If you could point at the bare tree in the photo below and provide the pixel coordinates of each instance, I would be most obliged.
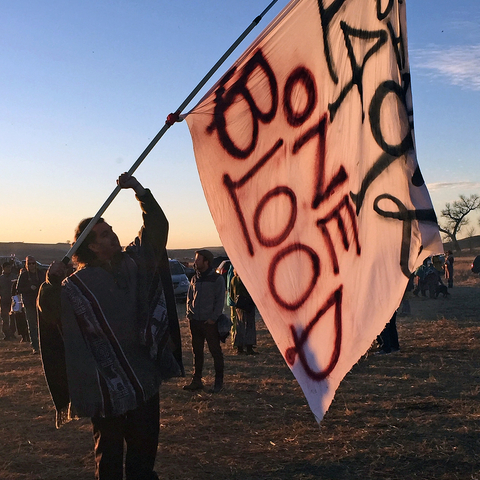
(455, 215)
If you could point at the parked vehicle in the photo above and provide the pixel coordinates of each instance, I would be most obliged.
(189, 271)
(179, 280)
(476, 265)
(217, 261)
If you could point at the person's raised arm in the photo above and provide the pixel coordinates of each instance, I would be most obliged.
(155, 223)
(128, 181)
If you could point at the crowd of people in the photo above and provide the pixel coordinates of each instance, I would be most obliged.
(426, 278)
(18, 296)
(108, 332)
(429, 276)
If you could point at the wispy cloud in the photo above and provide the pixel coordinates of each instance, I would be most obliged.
(466, 26)
(452, 185)
(460, 65)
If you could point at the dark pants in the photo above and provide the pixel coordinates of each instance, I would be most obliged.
(22, 327)
(139, 429)
(202, 331)
(389, 335)
(421, 287)
(8, 321)
(32, 322)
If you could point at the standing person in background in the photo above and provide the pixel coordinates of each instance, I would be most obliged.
(449, 268)
(18, 313)
(28, 284)
(8, 320)
(245, 334)
(205, 300)
(405, 304)
(231, 302)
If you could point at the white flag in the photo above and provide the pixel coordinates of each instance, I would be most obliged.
(306, 154)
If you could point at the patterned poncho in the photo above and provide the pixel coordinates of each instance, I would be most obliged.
(110, 333)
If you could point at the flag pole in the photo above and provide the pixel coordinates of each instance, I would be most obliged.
(171, 119)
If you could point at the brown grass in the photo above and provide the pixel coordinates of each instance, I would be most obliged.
(410, 415)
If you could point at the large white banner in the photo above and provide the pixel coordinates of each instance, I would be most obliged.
(306, 154)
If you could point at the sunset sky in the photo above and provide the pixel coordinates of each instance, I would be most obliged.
(87, 85)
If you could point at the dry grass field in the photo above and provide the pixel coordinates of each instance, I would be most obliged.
(414, 414)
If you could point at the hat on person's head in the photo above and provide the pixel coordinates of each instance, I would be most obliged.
(207, 255)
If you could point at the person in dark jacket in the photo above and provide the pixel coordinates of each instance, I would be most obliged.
(205, 300)
(8, 321)
(28, 283)
(109, 334)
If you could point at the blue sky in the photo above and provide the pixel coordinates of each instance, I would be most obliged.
(86, 86)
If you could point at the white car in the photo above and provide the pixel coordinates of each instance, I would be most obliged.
(179, 280)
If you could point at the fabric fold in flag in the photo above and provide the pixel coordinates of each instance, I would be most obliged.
(306, 153)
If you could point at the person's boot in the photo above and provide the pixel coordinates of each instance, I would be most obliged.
(217, 387)
(251, 351)
(240, 351)
(195, 384)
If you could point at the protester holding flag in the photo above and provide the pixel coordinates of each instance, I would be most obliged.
(116, 315)
(306, 154)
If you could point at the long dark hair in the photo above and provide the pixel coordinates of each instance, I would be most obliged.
(84, 255)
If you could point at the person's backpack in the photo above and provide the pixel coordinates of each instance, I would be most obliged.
(224, 325)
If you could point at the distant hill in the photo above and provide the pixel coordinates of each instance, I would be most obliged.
(43, 253)
(469, 244)
(46, 253)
